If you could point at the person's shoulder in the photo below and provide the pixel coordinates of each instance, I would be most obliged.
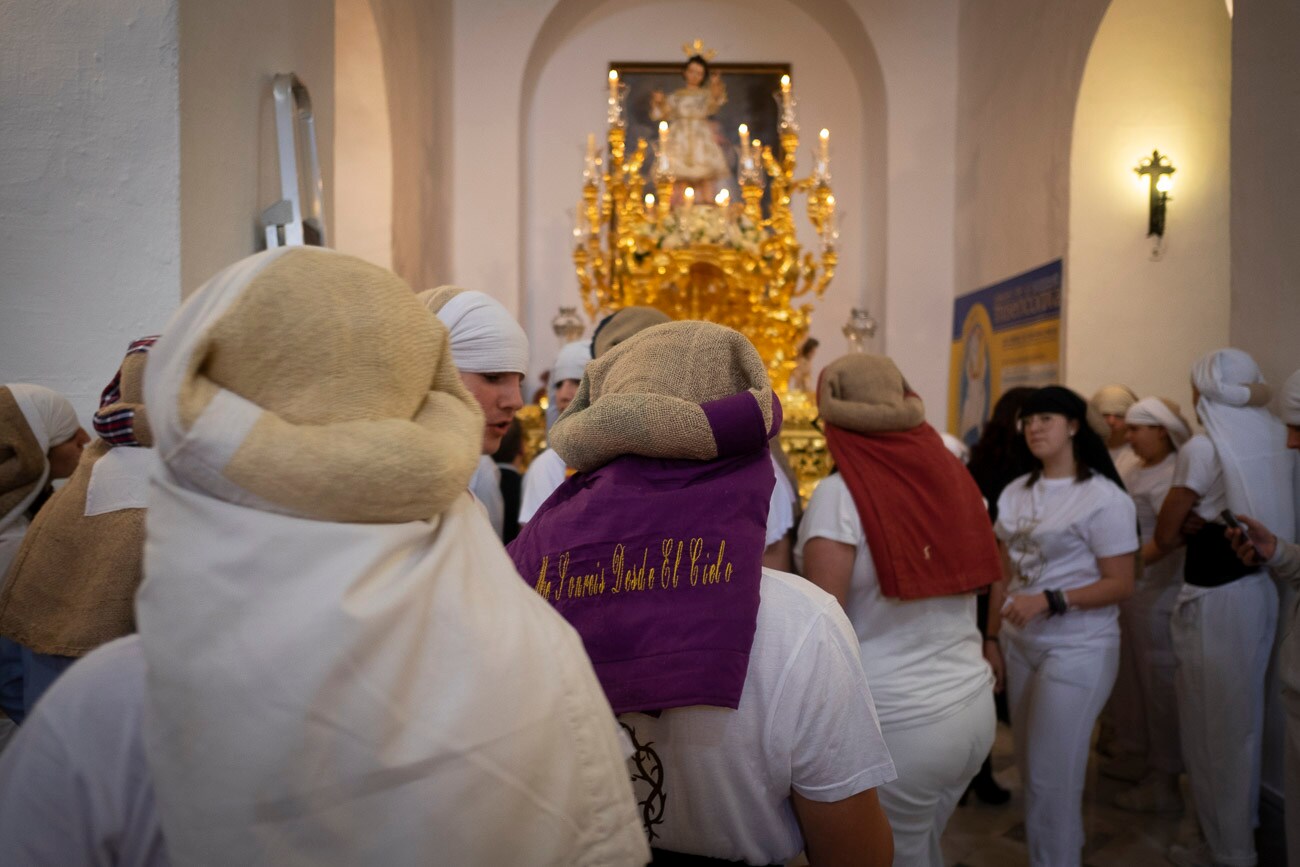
(1015, 490)
(790, 600)
(1199, 447)
(829, 488)
(547, 461)
(105, 687)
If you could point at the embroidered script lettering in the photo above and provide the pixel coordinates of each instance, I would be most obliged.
(631, 573)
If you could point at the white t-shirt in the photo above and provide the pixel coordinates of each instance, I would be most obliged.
(923, 657)
(1198, 468)
(485, 485)
(544, 475)
(74, 783)
(547, 472)
(780, 513)
(1148, 486)
(1125, 460)
(1055, 531)
(715, 781)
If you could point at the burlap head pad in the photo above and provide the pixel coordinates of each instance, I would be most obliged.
(365, 418)
(22, 462)
(644, 396)
(618, 326)
(434, 299)
(868, 394)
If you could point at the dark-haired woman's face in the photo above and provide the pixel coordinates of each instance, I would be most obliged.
(1047, 433)
(694, 74)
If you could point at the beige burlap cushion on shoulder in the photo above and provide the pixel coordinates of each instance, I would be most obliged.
(364, 416)
(22, 463)
(72, 586)
(868, 394)
(643, 397)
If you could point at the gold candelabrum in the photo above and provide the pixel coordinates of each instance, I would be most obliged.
(721, 261)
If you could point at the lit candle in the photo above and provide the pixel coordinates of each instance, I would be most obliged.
(663, 133)
(591, 145)
(785, 93)
(785, 84)
(744, 142)
(613, 84)
(690, 195)
(649, 200)
(722, 197)
(825, 145)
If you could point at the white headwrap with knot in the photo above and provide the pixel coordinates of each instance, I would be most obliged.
(1258, 470)
(485, 338)
(1113, 400)
(1291, 400)
(1157, 412)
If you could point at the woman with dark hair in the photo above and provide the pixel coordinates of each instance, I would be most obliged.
(999, 457)
(1069, 533)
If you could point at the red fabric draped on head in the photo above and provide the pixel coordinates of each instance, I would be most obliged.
(923, 516)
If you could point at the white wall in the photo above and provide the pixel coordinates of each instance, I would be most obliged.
(363, 143)
(1130, 319)
(89, 165)
(230, 52)
(568, 100)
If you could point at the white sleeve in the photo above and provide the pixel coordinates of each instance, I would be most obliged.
(831, 514)
(780, 512)
(1196, 465)
(48, 818)
(1112, 527)
(544, 475)
(825, 711)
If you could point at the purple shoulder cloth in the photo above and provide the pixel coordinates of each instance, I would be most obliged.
(657, 564)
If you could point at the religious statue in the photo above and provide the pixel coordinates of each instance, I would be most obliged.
(694, 153)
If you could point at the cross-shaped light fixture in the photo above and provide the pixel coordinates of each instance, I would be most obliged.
(1159, 175)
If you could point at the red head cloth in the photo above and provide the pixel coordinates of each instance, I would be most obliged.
(925, 522)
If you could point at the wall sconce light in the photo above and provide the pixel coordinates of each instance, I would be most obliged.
(1158, 172)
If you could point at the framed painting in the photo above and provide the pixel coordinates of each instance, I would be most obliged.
(704, 109)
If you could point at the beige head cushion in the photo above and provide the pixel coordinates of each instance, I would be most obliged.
(868, 394)
(643, 397)
(22, 460)
(622, 324)
(365, 418)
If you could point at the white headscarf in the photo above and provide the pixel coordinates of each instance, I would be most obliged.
(1157, 412)
(1258, 469)
(571, 363)
(1291, 400)
(485, 338)
(52, 421)
(339, 691)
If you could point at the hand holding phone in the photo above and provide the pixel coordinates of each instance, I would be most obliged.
(1242, 544)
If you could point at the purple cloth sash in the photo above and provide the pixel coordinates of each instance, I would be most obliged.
(657, 564)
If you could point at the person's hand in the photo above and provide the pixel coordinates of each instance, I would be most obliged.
(1019, 610)
(1192, 524)
(993, 656)
(1254, 546)
(715, 82)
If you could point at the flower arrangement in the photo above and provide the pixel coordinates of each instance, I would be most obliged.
(694, 225)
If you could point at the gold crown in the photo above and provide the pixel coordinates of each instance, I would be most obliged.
(690, 49)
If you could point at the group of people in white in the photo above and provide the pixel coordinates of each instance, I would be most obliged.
(266, 621)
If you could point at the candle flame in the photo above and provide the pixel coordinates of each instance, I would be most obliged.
(613, 75)
(690, 194)
(785, 82)
(744, 130)
(825, 134)
(649, 199)
(722, 197)
(663, 127)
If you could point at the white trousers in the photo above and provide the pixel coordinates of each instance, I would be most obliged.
(1222, 638)
(935, 763)
(1146, 716)
(1056, 694)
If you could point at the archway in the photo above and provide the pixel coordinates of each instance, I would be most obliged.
(842, 89)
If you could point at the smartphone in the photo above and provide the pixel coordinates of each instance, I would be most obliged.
(1231, 520)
